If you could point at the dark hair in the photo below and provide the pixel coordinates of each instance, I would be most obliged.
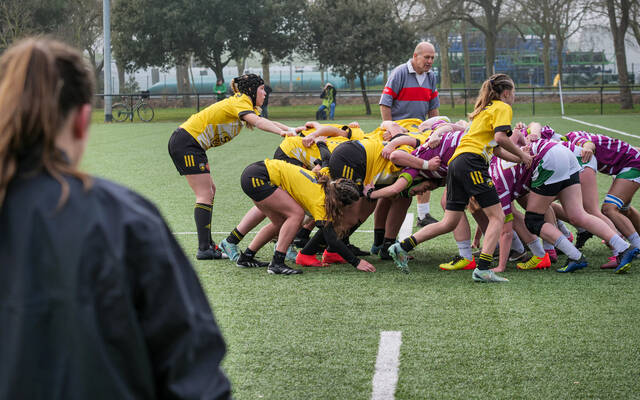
(491, 90)
(338, 194)
(41, 81)
(247, 84)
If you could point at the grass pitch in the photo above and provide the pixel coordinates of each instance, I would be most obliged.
(315, 336)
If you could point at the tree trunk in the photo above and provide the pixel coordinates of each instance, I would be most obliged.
(465, 55)
(618, 32)
(385, 74)
(182, 83)
(240, 63)
(121, 83)
(546, 59)
(363, 88)
(322, 77)
(559, 46)
(266, 60)
(490, 53)
(445, 73)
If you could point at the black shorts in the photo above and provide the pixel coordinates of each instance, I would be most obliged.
(187, 154)
(280, 155)
(555, 188)
(256, 183)
(349, 160)
(469, 176)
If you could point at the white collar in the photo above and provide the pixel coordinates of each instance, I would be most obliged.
(410, 67)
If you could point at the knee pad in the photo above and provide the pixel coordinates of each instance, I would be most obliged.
(611, 199)
(533, 222)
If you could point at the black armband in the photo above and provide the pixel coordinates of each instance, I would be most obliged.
(504, 128)
(368, 194)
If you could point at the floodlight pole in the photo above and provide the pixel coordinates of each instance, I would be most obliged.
(106, 24)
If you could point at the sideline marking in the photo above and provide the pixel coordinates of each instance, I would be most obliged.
(601, 127)
(386, 375)
(407, 227)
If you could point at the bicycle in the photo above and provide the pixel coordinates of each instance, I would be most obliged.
(121, 112)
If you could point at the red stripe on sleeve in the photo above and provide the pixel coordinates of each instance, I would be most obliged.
(434, 94)
(387, 90)
(415, 94)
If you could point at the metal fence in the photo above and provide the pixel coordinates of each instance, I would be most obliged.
(462, 98)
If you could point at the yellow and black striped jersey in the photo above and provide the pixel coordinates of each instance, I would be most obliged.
(220, 122)
(301, 184)
(292, 146)
(479, 138)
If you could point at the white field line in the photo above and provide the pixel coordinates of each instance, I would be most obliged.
(601, 127)
(385, 378)
(407, 227)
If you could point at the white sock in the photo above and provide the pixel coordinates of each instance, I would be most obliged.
(536, 248)
(423, 209)
(547, 246)
(516, 244)
(564, 245)
(563, 228)
(464, 249)
(618, 243)
(635, 240)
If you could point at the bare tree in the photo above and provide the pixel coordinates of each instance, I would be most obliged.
(559, 19)
(618, 12)
(486, 16)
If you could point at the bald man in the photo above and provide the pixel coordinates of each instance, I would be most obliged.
(411, 92)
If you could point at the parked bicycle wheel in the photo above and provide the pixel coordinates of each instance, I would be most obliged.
(145, 112)
(120, 112)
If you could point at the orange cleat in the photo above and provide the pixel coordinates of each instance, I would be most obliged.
(536, 263)
(332, 258)
(309, 260)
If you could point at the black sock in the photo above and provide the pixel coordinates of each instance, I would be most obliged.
(249, 253)
(378, 237)
(202, 215)
(484, 261)
(386, 242)
(235, 236)
(278, 257)
(409, 243)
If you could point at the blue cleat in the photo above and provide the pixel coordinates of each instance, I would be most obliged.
(400, 257)
(624, 259)
(573, 265)
(230, 249)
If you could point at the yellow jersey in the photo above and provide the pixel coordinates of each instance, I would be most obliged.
(301, 184)
(353, 133)
(380, 171)
(292, 146)
(479, 138)
(220, 122)
(410, 124)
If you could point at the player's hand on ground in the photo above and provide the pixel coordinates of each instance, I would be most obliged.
(366, 266)
(354, 124)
